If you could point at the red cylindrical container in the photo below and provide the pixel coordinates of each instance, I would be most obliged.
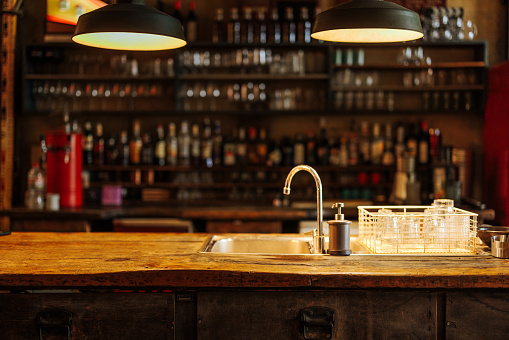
(64, 175)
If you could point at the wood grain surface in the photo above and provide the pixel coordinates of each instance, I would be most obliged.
(165, 261)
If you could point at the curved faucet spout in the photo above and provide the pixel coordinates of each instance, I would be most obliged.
(319, 244)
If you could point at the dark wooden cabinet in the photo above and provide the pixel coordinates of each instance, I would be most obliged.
(279, 315)
(87, 316)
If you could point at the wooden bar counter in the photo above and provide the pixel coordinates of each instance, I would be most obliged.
(158, 286)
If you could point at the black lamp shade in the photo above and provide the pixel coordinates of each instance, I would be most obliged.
(367, 21)
(129, 26)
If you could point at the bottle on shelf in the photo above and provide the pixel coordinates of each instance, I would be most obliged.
(304, 26)
(262, 147)
(177, 11)
(172, 145)
(217, 144)
(111, 151)
(124, 149)
(88, 144)
(192, 23)
(289, 27)
(252, 154)
(147, 150)
(423, 144)
(160, 146)
(99, 145)
(299, 150)
(311, 148)
(195, 145)
(377, 145)
(36, 188)
(247, 26)
(242, 147)
(274, 27)
(184, 143)
(233, 27)
(218, 26)
(400, 147)
(230, 150)
(260, 27)
(136, 144)
(411, 140)
(323, 147)
(388, 157)
(364, 143)
(207, 144)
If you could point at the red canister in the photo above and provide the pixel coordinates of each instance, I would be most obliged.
(63, 168)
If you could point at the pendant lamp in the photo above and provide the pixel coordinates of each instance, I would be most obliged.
(129, 25)
(367, 21)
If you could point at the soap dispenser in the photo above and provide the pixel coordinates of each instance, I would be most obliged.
(339, 233)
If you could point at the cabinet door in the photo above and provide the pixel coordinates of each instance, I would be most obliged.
(87, 316)
(357, 314)
(477, 315)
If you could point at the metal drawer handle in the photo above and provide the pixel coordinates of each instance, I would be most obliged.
(317, 322)
(54, 320)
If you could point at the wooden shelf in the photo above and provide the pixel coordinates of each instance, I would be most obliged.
(254, 76)
(463, 64)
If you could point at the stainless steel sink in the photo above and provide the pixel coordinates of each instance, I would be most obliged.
(267, 244)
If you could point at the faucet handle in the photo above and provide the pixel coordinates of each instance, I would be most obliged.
(339, 216)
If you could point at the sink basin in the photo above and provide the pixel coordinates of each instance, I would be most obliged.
(266, 244)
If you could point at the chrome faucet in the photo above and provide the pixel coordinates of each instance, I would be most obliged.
(318, 236)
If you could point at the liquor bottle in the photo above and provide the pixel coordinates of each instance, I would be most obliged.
(111, 151)
(377, 145)
(261, 28)
(217, 144)
(388, 157)
(411, 141)
(353, 146)
(311, 148)
(289, 27)
(191, 23)
(262, 147)
(123, 149)
(177, 11)
(400, 147)
(423, 144)
(195, 145)
(88, 144)
(99, 145)
(147, 150)
(252, 154)
(323, 148)
(274, 27)
(299, 150)
(287, 151)
(364, 143)
(247, 27)
(184, 143)
(230, 150)
(172, 145)
(160, 146)
(242, 147)
(218, 26)
(275, 157)
(36, 188)
(207, 144)
(304, 26)
(233, 27)
(136, 144)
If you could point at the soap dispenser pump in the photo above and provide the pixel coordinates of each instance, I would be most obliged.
(339, 233)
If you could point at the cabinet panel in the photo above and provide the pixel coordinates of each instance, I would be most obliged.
(477, 315)
(276, 315)
(87, 316)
